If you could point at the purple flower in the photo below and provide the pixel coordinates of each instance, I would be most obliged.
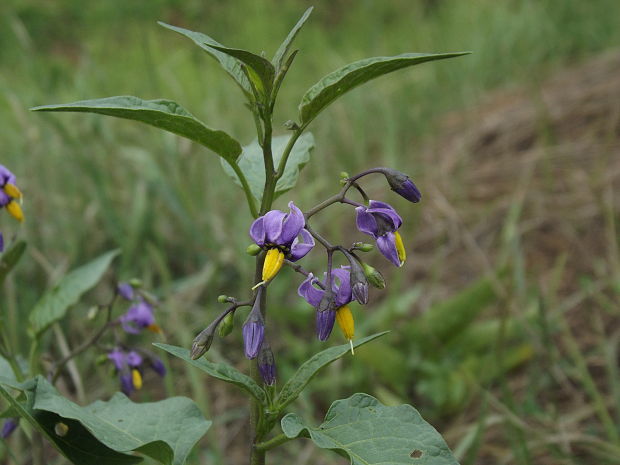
(402, 185)
(158, 366)
(267, 365)
(138, 317)
(285, 231)
(340, 296)
(127, 366)
(381, 221)
(253, 333)
(125, 290)
(9, 192)
(10, 424)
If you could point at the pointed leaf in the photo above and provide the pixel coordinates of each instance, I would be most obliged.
(311, 367)
(336, 84)
(370, 433)
(283, 50)
(221, 371)
(163, 114)
(252, 163)
(230, 64)
(262, 71)
(55, 303)
(10, 258)
(79, 445)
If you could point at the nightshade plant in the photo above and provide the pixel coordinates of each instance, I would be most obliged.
(358, 427)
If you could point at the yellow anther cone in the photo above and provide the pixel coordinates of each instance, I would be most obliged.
(15, 210)
(400, 248)
(344, 318)
(136, 378)
(12, 191)
(273, 262)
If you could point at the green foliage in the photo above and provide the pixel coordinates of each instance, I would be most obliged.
(339, 82)
(286, 44)
(10, 258)
(221, 371)
(163, 114)
(252, 163)
(368, 432)
(311, 367)
(55, 303)
(104, 431)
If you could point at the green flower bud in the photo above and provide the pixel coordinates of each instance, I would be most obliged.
(253, 250)
(135, 283)
(102, 359)
(202, 342)
(374, 277)
(363, 247)
(344, 175)
(222, 298)
(227, 325)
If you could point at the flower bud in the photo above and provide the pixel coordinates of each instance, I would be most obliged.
(402, 185)
(359, 283)
(227, 325)
(8, 427)
(266, 364)
(135, 283)
(222, 298)
(253, 249)
(125, 290)
(158, 366)
(202, 342)
(363, 247)
(254, 329)
(375, 278)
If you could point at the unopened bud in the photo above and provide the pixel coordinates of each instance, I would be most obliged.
(344, 175)
(374, 277)
(202, 342)
(135, 283)
(227, 325)
(222, 298)
(291, 125)
(402, 185)
(254, 328)
(359, 283)
(363, 246)
(253, 250)
(267, 364)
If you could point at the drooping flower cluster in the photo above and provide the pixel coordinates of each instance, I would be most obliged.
(10, 195)
(286, 238)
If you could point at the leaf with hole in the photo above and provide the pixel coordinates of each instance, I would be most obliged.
(370, 433)
(163, 114)
(54, 304)
(339, 82)
(252, 164)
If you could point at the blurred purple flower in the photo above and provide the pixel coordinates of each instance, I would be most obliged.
(381, 221)
(127, 366)
(10, 424)
(125, 290)
(9, 193)
(138, 317)
(158, 366)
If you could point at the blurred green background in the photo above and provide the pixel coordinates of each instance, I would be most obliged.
(505, 318)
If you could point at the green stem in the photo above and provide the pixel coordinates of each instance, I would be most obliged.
(270, 174)
(273, 442)
(287, 151)
(246, 188)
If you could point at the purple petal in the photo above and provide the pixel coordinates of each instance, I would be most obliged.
(325, 323)
(6, 176)
(158, 366)
(125, 290)
(267, 365)
(311, 294)
(138, 317)
(366, 222)
(127, 383)
(117, 357)
(387, 218)
(292, 225)
(4, 198)
(8, 427)
(134, 359)
(343, 288)
(1, 242)
(273, 226)
(387, 246)
(253, 333)
(301, 249)
(257, 231)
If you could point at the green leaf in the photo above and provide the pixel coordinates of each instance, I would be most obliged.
(370, 433)
(10, 258)
(252, 164)
(261, 71)
(163, 114)
(336, 84)
(221, 371)
(311, 367)
(55, 303)
(79, 445)
(231, 65)
(283, 50)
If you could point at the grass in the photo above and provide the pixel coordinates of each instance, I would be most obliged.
(93, 184)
